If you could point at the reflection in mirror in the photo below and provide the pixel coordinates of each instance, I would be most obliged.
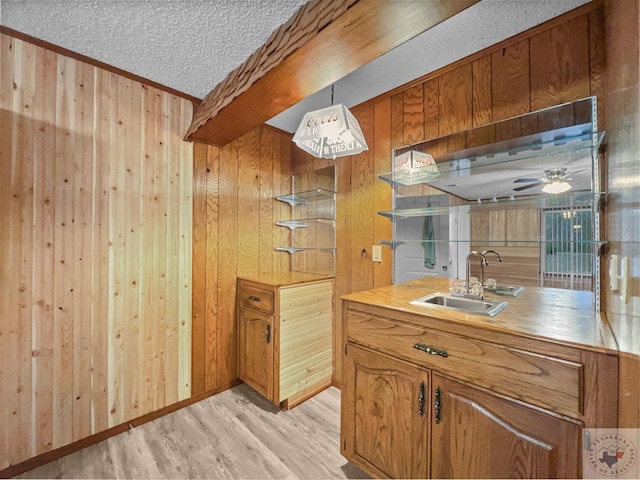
(494, 187)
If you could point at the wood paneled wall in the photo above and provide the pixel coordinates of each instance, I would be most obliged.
(557, 62)
(234, 233)
(95, 250)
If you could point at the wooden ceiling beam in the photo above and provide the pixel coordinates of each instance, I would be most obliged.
(323, 42)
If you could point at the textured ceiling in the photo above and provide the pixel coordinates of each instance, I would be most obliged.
(188, 45)
(191, 45)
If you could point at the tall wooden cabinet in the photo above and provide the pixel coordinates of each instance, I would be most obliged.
(285, 335)
(424, 397)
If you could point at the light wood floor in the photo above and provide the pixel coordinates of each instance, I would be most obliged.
(235, 434)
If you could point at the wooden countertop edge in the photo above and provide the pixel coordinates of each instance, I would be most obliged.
(608, 347)
(607, 340)
(626, 331)
(284, 280)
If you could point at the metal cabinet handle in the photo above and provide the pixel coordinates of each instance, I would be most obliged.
(268, 334)
(437, 407)
(430, 350)
(254, 298)
(421, 399)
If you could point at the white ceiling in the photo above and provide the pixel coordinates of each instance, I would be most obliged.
(191, 45)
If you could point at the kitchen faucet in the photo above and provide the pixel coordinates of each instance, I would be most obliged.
(483, 262)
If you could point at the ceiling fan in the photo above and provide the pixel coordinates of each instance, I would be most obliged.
(556, 181)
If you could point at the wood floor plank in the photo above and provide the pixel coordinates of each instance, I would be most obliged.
(235, 434)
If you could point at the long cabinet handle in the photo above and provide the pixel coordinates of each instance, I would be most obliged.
(253, 298)
(430, 350)
(267, 334)
(421, 399)
(437, 407)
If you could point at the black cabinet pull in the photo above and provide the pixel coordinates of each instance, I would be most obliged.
(437, 407)
(254, 298)
(268, 334)
(430, 350)
(421, 399)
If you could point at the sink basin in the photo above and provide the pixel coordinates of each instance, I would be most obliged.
(467, 305)
(507, 290)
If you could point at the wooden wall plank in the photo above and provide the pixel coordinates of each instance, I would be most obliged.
(6, 136)
(63, 275)
(481, 71)
(414, 115)
(211, 253)
(82, 246)
(13, 259)
(455, 94)
(431, 109)
(362, 177)
(26, 82)
(249, 203)
(510, 90)
(7, 117)
(160, 160)
(172, 171)
(199, 262)
(147, 231)
(131, 234)
(560, 64)
(342, 284)
(44, 227)
(100, 272)
(182, 116)
(228, 262)
(282, 185)
(267, 202)
(381, 192)
(117, 207)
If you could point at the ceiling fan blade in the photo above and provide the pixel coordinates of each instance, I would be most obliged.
(522, 180)
(524, 187)
(573, 173)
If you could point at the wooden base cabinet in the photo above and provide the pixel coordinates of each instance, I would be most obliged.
(479, 435)
(387, 414)
(255, 362)
(425, 402)
(285, 335)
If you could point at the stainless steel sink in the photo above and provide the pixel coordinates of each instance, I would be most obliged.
(506, 290)
(468, 305)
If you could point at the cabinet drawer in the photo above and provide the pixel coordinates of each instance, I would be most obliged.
(549, 382)
(258, 298)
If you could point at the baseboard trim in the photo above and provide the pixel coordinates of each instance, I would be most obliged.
(47, 457)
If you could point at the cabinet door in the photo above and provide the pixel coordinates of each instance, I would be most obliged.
(255, 350)
(479, 435)
(385, 427)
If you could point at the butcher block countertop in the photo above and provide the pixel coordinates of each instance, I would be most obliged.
(552, 315)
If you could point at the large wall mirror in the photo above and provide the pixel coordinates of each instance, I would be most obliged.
(527, 187)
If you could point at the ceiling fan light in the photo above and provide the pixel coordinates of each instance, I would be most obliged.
(557, 187)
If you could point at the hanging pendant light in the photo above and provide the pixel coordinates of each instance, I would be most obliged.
(330, 132)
